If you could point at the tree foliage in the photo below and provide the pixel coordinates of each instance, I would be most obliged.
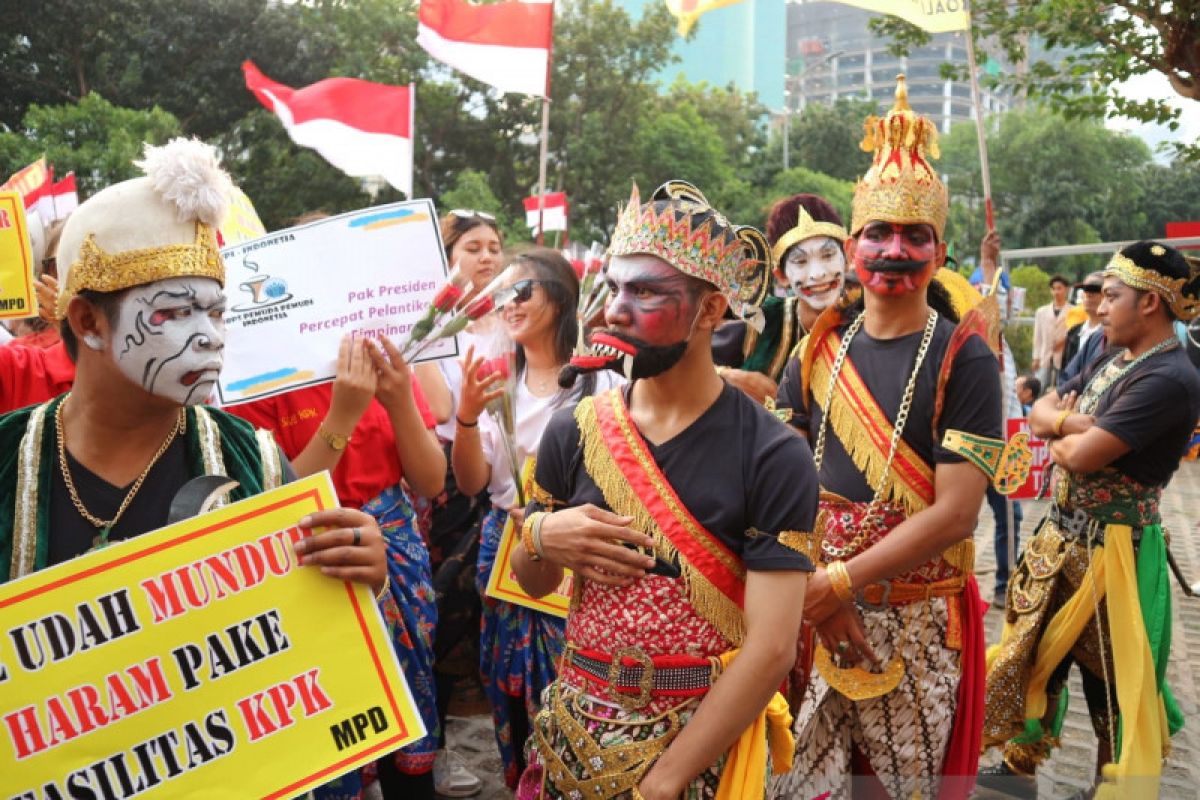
(1076, 53)
(93, 138)
(1054, 181)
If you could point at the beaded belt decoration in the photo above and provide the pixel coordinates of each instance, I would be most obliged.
(634, 677)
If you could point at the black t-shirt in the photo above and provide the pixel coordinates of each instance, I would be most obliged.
(971, 403)
(72, 535)
(1153, 408)
(735, 468)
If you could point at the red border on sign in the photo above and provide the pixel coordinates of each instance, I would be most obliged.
(376, 660)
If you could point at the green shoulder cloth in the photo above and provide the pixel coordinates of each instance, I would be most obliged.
(217, 444)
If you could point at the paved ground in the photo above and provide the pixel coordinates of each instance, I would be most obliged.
(1071, 768)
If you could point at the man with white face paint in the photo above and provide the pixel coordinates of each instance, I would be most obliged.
(141, 305)
(806, 236)
(893, 396)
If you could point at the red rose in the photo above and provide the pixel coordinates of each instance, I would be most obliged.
(446, 299)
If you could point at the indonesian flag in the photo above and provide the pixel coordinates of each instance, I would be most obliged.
(555, 211)
(361, 128)
(505, 45)
(64, 197)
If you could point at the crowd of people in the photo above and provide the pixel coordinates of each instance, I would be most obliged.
(763, 466)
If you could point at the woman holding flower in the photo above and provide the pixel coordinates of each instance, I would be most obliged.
(518, 646)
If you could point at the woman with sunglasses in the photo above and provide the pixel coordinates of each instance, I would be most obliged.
(473, 242)
(519, 647)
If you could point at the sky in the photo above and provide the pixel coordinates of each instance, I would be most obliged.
(1155, 85)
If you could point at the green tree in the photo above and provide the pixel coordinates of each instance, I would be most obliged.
(1094, 47)
(1054, 181)
(182, 56)
(602, 93)
(825, 137)
(94, 138)
(471, 191)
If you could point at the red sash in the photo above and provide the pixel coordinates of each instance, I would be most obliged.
(620, 464)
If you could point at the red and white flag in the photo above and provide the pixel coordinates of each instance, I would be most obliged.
(554, 211)
(64, 197)
(361, 128)
(506, 45)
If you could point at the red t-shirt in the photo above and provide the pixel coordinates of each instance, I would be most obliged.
(370, 463)
(30, 374)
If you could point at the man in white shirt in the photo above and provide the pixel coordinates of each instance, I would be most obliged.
(1047, 325)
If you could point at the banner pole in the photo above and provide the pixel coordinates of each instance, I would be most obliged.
(977, 101)
(412, 138)
(543, 154)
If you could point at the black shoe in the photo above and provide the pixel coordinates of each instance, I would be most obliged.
(1006, 781)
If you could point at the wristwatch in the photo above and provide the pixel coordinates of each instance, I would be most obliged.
(336, 441)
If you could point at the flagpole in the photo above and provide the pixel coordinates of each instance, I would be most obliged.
(412, 138)
(977, 101)
(543, 153)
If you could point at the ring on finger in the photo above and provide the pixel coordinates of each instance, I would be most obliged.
(843, 646)
(357, 537)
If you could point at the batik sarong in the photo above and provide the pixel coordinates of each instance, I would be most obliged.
(655, 616)
(519, 649)
(411, 616)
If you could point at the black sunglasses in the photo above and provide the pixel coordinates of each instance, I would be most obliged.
(523, 290)
(470, 213)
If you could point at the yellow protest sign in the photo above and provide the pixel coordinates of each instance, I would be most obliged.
(16, 259)
(502, 581)
(196, 661)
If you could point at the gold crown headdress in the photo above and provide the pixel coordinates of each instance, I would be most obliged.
(148, 229)
(806, 228)
(1149, 277)
(681, 227)
(900, 186)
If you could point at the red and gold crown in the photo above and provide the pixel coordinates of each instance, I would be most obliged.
(900, 186)
(681, 227)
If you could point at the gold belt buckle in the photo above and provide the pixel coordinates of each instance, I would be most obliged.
(883, 604)
(645, 685)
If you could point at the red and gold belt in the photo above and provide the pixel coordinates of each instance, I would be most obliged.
(634, 677)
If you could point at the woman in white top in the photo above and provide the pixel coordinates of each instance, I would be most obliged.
(473, 242)
(519, 647)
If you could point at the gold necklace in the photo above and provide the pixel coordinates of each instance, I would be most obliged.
(104, 526)
(873, 518)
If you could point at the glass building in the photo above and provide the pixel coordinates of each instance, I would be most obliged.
(831, 53)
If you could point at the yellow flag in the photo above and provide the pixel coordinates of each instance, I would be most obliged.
(688, 11)
(935, 16)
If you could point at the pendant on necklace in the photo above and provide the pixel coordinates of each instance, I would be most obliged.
(100, 540)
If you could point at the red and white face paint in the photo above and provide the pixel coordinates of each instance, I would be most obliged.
(893, 259)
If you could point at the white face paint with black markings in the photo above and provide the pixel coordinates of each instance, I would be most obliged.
(816, 270)
(170, 337)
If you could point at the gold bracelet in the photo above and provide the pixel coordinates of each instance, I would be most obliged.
(721, 370)
(527, 541)
(537, 533)
(839, 581)
(1058, 423)
(387, 581)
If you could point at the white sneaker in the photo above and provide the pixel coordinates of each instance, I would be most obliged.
(451, 778)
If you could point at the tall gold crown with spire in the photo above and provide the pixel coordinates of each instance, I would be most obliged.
(900, 186)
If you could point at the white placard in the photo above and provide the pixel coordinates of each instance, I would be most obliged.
(292, 294)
